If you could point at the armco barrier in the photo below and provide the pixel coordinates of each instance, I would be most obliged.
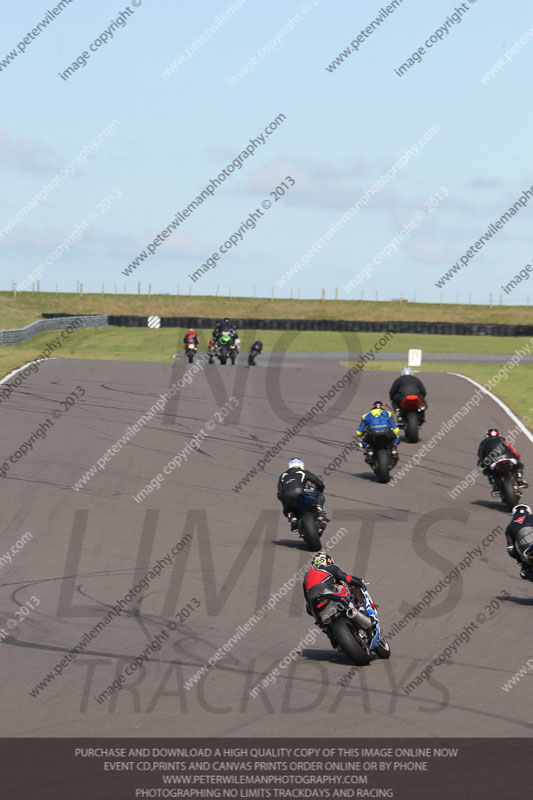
(59, 323)
(441, 328)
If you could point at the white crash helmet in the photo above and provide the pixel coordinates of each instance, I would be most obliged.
(296, 463)
(521, 508)
(406, 371)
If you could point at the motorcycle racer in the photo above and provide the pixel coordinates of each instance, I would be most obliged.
(407, 384)
(492, 447)
(190, 338)
(378, 420)
(298, 485)
(322, 574)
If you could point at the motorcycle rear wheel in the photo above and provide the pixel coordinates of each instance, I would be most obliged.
(309, 530)
(382, 466)
(508, 492)
(345, 638)
(411, 427)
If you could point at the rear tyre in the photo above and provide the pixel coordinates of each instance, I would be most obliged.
(233, 360)
(191, 358)
(382, 650)
(382, 466)
(344, 636)
(310, 531)
(411, 427)
(509, 495)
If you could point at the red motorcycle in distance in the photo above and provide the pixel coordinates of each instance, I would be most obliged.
(410, 416)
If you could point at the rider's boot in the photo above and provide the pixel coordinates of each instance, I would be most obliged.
(322, 514)
(293, 519)
(520, 479)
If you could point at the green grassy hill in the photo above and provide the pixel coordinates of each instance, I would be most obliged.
(28, 306)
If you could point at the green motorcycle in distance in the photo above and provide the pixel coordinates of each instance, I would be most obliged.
(226, 347)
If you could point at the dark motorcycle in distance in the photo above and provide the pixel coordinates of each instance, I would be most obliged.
(381, 453)
(255, 349)
(410, 416)
(504, 470)
(356, 633)
(311, 525)
(226, 347)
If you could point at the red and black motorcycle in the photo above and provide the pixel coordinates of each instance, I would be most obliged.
(410, 416)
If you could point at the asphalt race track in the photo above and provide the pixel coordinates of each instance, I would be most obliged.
(89, 548)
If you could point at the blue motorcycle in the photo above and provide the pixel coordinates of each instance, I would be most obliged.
(357, 633)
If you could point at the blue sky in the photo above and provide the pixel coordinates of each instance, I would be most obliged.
(342, 130)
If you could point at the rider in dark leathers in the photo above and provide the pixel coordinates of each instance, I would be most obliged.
(224, 326)
(255, 349)
(519, 536)
(492, 447)
(292, 484)
(407, 384)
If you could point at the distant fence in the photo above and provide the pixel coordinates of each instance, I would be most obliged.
(52, 323)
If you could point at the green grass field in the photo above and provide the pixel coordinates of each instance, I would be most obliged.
(28, 306)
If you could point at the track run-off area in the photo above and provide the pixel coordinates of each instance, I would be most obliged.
(150, 589)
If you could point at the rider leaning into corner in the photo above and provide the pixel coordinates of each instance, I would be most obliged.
(255, 349)
(295, 481)
(321, 577)
(407, 384)
(493, 447)
(519, 536)
(378, 420)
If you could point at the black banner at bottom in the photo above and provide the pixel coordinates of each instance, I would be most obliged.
(405, 769)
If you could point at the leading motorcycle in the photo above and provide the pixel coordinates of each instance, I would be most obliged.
(357, 633)
(410, 416)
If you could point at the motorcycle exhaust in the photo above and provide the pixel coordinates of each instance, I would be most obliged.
(361, 619)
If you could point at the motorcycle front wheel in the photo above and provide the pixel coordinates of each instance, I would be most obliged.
(382, 649)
